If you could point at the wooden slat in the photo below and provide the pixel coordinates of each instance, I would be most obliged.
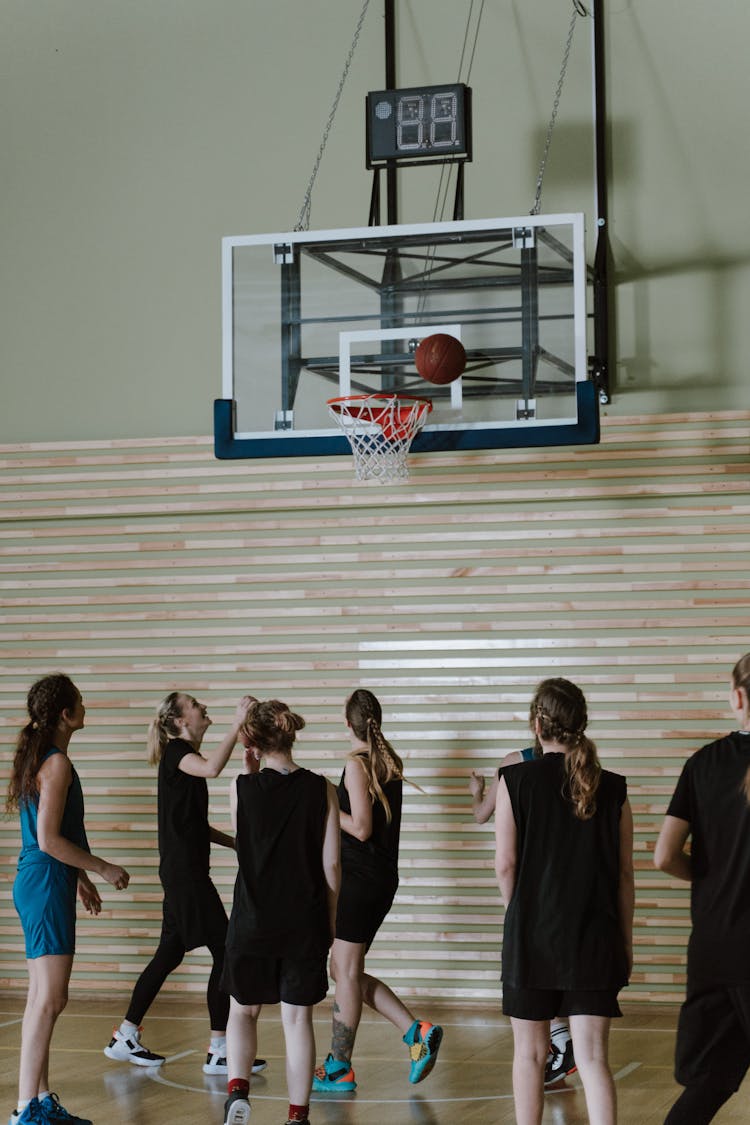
(139, 566)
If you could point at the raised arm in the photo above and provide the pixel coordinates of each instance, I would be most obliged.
(669, 853)
(505, 843)
(626, 889)
(54, 781)
(213, 761)
(358, 823)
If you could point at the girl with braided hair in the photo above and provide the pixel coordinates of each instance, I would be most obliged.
(564, 864)
(711, 806)
(370, 799)
(193, 914)
(52, 869)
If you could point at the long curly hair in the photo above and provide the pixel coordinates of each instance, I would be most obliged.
(271, 727)
(381, 763)
(559, 706)
(45, 703)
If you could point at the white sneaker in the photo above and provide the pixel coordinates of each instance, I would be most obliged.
(217, 1064)
(130, 1049)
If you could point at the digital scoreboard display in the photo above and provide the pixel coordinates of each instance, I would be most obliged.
(429, 124)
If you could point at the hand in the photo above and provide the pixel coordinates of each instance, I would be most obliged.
(88, 894)
(476, 785)
(116, 876)
(240, 711)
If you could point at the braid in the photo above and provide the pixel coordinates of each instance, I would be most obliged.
(559, 707)
(164, 726)
(381, 764)
(45, 703)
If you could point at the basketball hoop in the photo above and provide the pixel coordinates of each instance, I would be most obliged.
(380, 429)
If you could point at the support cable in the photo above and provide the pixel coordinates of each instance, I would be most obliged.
(579, 9)
(303, 219)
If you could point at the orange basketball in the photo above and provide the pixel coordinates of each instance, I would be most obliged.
(440, 358)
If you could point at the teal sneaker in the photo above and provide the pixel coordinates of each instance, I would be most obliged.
(31, 1115)
(57, 1114)
(423, 1040)
(334, 1077)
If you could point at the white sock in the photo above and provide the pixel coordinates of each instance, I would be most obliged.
(21, 1106)
(218, 1046)
(127, 1028)
(559, 1033)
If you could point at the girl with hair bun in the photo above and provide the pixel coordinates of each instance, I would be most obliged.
(370, 798)
(564, 864)
(55, 856)
(711, 805)
(193, 914)
(287, 828)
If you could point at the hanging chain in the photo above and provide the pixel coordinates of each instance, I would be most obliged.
(303, 219)
(579, 9)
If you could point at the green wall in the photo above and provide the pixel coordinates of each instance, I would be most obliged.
(135, 134)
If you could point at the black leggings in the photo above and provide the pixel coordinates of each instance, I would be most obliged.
(697, 1105)
(168, 956)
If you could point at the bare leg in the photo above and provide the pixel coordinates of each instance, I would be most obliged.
(347, 969)
(300, 1051)
(242, 1039)
(530, 1043)
(48, 995)
(591, 1047)
(379, 996)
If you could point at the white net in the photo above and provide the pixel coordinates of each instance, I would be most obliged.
(380, 429)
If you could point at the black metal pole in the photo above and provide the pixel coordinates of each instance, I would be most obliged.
(602, 255)
(390, 84)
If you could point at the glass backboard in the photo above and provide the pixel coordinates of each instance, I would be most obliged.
(312, 315)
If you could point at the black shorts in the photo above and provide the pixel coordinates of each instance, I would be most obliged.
(268, 980)
(364, 901)
(713, 1036)
(546, 1003)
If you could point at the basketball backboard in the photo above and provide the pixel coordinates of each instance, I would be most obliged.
(310, 315)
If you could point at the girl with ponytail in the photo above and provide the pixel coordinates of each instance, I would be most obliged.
(564, 864)
(711, 806)
(369, 795)
(193, 913)
(52, 869)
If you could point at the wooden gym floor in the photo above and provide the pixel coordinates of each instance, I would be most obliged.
(471, 1083)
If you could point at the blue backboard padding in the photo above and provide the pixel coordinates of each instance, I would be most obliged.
(585, 431)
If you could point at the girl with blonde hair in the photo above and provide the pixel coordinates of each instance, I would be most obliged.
(370, 793)
(564, 864)
(193, 914)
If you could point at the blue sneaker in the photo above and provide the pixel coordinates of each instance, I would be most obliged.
(33, 1114)
(334, 1077)
(423, 1040)
(57, 1114)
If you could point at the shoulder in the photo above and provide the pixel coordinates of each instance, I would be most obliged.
(175, 750)
(56, 768)
(614, 783)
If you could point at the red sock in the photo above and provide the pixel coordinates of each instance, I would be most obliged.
(238, 1086)
(299, 1112)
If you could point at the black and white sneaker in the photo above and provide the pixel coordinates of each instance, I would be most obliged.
(236, 1110)
(129, 1048)
(560, 1063)
(216, 1063)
